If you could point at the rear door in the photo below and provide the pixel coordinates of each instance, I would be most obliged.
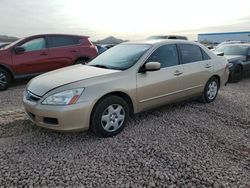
(197, 66)
(63, 50)
(159, 87)
(35, 59)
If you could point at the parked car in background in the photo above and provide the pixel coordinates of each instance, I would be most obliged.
(238, 56)
(230, 42)
(107, 46)
(127, 79)
(41, 53)
(100, 48)
(168, 37)
(3, 44)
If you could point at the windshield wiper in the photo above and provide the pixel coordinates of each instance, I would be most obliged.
(100, 66)
(108, 67)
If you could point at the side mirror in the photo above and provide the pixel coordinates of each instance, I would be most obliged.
(19, 50)
(152, 66)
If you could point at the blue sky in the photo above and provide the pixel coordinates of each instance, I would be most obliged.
(126, 19)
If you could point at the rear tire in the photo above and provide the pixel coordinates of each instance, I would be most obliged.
(210, 91)
(109, 116)
(236, 74)
(5, 80)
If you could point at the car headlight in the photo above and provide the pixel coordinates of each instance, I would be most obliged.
(64, 98)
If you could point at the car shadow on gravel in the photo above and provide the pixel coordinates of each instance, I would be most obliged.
(23, 127)
(18, 83)
(17, 128)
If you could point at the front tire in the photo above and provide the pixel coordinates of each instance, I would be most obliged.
(210, 91)
(5, 80)
(109, 116)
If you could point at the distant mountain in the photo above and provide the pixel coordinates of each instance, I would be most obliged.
(110, 40)
(5, 38)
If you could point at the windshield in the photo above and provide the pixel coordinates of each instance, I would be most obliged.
(120, 57)
(233, 50)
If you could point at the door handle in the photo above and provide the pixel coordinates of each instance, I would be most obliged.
(208, 66)
(177, 73)
(73, 51)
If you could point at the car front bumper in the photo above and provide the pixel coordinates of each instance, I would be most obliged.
(62, 118)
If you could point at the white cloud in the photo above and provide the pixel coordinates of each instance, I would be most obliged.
(129, 19)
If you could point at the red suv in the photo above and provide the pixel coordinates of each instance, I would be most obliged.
(34, 55)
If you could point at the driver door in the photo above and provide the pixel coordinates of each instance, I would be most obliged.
(163, 86)
(35, 58)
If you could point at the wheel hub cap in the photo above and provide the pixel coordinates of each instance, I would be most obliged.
(212, 90)
(3, 80)
(113, 117)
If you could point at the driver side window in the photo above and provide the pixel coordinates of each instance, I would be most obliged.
(34, 45)
(166, 55)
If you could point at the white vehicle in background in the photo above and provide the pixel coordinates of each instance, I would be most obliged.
(3, 44)
(231, 42)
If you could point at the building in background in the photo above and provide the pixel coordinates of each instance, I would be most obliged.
(214, 38)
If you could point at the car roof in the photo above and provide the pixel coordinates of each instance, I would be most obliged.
(161, 41)
(182, 36)
(55, 34)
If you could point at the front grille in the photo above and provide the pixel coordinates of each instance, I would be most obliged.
(32, 97)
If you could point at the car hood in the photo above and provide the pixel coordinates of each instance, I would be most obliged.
(231, 58)
(44, 83)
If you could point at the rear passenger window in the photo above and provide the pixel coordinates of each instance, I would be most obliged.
(166, 55)
(77, 40)
(190, 53)
(205, 56)
(59, 41)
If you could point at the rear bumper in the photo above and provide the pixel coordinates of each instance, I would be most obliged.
(62, 118)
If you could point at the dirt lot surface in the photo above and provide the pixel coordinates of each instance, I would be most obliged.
(181, 145)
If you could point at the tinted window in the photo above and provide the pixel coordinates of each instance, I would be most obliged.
(77, 40)
(58, 41)
(205, 56)
(34, 45)
(166, 55)
(182, 38)
(190, 53)
(171, 37)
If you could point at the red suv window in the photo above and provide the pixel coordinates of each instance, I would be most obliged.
(59, 41)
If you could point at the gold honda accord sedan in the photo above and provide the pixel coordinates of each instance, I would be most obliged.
(127, 79)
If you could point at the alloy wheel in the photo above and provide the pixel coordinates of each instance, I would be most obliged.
(3, 80)
(212, 90)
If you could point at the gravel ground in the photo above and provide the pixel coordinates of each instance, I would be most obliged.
(181, 145)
